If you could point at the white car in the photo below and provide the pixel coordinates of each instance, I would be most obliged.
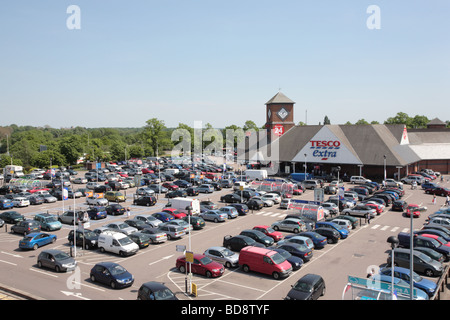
(97, 201)
(266, 202)
(92, 185)
(360, 211)
(392, 183)
(20, 202)
(272, 196)
(342, 222)
(79, 180)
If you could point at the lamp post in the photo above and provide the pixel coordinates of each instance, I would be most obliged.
(189, 210)
(305, 166)
(384, 163)
(338, 168)
(393, 240)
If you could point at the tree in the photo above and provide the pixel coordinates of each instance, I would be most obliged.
(71, 148)
(154, 134)
(361, 121)
(249, 125)
(326, 120)
(400, 118)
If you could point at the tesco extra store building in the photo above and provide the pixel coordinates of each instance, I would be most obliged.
(365, 149)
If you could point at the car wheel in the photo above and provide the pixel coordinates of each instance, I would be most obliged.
(296, 230)
(39, 264)
(113, 284)
(276, 228)
(53, 240)
(215, 220)
(208, 274)
(35, 247)
(182, 269)
(102, 250)
(429, 273)
(227, 264)
(276, 275)
(57, 269)
(246, 268)
(324, 289)
(93, 278)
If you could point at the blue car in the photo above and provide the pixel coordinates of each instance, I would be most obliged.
(163, 216)
(330, 225)
(298, 250)
(295, 261)
(97, 212)
(318, 240)
(36, 239)
(420, 294)
(6, 204)
(111, 274)
(419, 282)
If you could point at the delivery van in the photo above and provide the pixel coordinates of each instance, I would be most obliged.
(117, 242)
(264, 261)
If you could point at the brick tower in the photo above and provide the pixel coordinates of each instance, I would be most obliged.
(279, 114)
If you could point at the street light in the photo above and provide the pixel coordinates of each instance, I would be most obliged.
(393, 240)
(384, 161)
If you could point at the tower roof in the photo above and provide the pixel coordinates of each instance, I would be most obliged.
(279, 98)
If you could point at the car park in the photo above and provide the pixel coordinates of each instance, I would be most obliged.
(155, 291)
(223, 256)
(309, 287)
(202, 265)
(56, 260)
(112, 274)
(36, 240)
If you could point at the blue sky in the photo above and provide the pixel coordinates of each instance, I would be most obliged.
(220, 61)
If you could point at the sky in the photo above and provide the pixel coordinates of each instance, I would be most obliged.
(219, 62)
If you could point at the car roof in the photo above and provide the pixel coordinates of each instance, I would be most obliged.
(310, 278)
(154, 285)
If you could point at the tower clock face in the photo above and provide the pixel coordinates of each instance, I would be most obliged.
(269, 113)
(282, 113)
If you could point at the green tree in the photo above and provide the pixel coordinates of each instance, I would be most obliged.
(153, 134)
(326, 120)
(71, 148)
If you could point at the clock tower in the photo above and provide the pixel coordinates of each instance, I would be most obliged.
(279, 114)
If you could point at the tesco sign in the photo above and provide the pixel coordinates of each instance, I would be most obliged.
(323, 148)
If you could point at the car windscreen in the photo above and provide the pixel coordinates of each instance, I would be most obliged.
(277, 258)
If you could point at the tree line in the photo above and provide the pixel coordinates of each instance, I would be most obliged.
(45, 146)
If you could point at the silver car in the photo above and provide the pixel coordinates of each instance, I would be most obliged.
(57, 260)
(230, 211)
(214, 215)
(223, 255)
(97, 201)
(156, 235)
(289, 224)
(149, 219)
(121, 227)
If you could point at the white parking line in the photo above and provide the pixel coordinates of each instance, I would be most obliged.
(43, 272)
(375, 226)
(384, 228)
(395, 229)
(14, 264)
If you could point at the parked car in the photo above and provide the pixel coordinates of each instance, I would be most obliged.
(309, 287)
(263, 260)
(36, 240)
(156, 235)
(172, 231)
(236, 243)
(145, 201)
(258, 236)
(439, 191)
(399, 205)
(121, 227)
(97, 212)
(196, 222)
(325, 224)
(297, 249)
(241, 208)
(155, 291)
(112, 274)
(214, 215)
(57, 260)
(230, 211)
(205, 188)
(97, 201)
(115, 209)
(419, 282)
(289, 224)
(421, 262)
(254, 204)
(269, 231)
(149, 219)
(26, 226)
(175, 213)
(231, 198)
(142, 239)
(6, 204)
(318, 240)
(86, 238)
(295, 262)
(360, 211)
(202, 265)
(11, 217)
(332, 235)
(223, 256)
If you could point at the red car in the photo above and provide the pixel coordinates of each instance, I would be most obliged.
(377, 208)
(146, 170)
(439, 239)
(269, 231)
(170, 186)
(412, 209)
(175, 213)
(202, 265)
(439, 191)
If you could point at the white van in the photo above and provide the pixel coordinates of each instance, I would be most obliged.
(257, 175)
(238, 184)
(117, 242)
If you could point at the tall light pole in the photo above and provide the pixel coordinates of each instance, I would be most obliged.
(393, 240)
(384, 162)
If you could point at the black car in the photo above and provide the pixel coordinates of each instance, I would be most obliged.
(308, 287)
(115, 209)
(11, 217)
(255, 204)
(145, 201)
(196, 222)
(155, 291)
(192, 191)
(176, 193)
(241, 208)
(332, 236)
(231, 198)
(399, 205)
(258, 236)
(238, 242)
(297, 250)
(182, 183)
(86, 238)
(26, 226)
(138, 224)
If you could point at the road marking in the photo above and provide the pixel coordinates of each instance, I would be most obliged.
(405, 230)
(43, 272)
(384, 228)
(395, 229)
(12, 254)
(164, 258)
(267, 213)
(14, 264)
(375, 226)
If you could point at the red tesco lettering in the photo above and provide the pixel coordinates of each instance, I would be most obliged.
(323, 143)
